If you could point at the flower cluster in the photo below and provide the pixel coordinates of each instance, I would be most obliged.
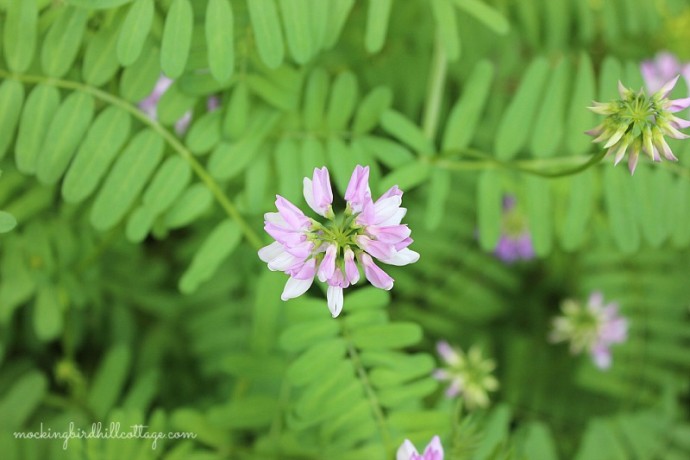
(305, 248)
(638, 123)
(593, 328)
(469, 375)
(515, 242)
(433, 451)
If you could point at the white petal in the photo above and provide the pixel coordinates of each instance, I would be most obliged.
(395, 219)
(309, 194)
(403, 257)
(270, 252)
(386, 208)
(295, 288)
(282, 262)
(335, 300)
(406, 451)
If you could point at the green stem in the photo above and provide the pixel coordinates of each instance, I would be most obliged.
(369, 390)
(225, 202)
(486, 161)
(434, 93)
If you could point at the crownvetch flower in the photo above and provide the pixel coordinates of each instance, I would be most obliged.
(433, 451)
(469, 374)
(306, 249)
(638, 123)
(593, 328)
(515, 242)
(664, 67)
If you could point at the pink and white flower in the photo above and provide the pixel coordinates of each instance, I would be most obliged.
(305, 249)
(433, 451)
(592, 328)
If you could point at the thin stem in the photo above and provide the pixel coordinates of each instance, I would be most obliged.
(369, 390)
(434, 93)
(225, 202)
(487, 161)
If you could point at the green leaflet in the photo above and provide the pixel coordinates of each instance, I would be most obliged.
(48, 312)
(517, 120)
(539, 442)
(316, 94)
(652, 195)
(539, 213)
(371, 108)
(579, 118)
(387, 336)
(39, 111)
(295, 14)
(485, 14)
(342, 102)
(173, 105)
(11, 101)
(304, 335)
(62, 43)
(377, 24)
(466, 113)
(288, 169)
(579, 210)
(444, 15)
(7, 222)
(97, 4)
(618, 187)
(548, 126)
(228, 160)
(109, 380)
(191, 204)
(139, 79)
(341, 162)
(249, 413)
(166, 186)
(71, 121)
(126, 179)
(218, 246)
(339, 12)
(134, 31)
(257, 178)
(407, 132)
(219, 39)
(439, 188)
(22, 399)
(204, 134)
(237, 113)
(100, 59)
(19, 38)
(315, 362)
(103, 141)
(177, 38)
(406, 177)
(269, 41)
(388, 152)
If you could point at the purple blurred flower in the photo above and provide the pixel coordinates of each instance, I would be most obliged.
(663, 68)
(515, 242)
(305, 249)
(212, 103)
(469, 374)
(593, 328)
(433, 451)
(149, 105)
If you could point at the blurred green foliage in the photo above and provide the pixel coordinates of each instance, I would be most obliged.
(130, 288)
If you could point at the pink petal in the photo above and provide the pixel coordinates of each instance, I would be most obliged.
(327, 267)
(406, 451)
(374, 274)
(351, 270)
(434, 450)
(334, 295)
(447, 353)
(294, 217)
(358, 190)
(377, 249)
